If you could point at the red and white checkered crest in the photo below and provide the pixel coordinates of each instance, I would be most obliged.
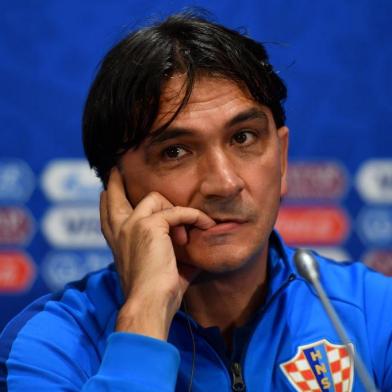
(319, 367)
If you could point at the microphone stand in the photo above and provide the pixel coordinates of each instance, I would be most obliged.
(307, 267)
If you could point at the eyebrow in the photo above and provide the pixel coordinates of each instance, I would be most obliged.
(174, 132)
(167, 134)
(250, 114)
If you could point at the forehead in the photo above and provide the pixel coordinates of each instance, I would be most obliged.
(211, 96)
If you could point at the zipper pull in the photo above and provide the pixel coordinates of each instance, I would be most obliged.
(238, 384)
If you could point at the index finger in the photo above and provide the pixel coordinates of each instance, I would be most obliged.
(119, 208)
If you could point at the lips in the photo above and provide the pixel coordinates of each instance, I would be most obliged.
(225, 226)
(219, 221)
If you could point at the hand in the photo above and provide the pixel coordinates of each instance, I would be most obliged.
(152, 281)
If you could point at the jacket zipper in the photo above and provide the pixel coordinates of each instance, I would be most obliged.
(238, 384)
(236, 368)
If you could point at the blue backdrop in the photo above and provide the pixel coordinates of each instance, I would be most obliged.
(335, 56)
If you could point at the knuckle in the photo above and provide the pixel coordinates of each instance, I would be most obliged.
(143, 233)
(159, 200)
(123, 233)
(145, 241)
(154, 195)
(142, 226)
(177, 209)
(124, 230)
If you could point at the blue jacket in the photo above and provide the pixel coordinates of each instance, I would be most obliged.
(65, 341)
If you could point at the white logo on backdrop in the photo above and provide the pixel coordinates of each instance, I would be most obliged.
(70, 180)
(374, 181)
(73, 227)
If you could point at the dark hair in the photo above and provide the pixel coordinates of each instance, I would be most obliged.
(123, 101)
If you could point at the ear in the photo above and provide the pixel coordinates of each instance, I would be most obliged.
(283, 136)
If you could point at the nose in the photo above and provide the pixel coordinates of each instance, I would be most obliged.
(219, 176)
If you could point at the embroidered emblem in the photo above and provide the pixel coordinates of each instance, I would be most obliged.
(320, 366)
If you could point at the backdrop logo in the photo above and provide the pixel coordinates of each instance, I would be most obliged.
(70, 180)
(17, 272)
(16, 180)
(374, 181)
(300, 225)
(316, 180)
(375, 226)
(59, 268)
(380, 260)
(16, 226)
(73, 227)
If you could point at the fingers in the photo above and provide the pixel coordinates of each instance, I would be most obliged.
(178, 216)
(118, 206)
(152, 203)
(104, 218)
(116, 210)
(119, 209)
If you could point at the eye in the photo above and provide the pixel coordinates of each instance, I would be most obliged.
(244, 137)
(174, 152)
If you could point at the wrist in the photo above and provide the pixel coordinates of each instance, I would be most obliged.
(149, 317)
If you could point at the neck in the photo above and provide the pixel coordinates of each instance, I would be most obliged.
(229, 300)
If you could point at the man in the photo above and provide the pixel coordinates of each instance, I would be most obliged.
(184, 125)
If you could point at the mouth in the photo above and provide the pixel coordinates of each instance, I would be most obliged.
(219, 221)
(225, 225)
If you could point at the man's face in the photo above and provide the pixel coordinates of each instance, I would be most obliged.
(223, 155)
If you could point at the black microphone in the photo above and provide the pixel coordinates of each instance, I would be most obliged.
(308, 268)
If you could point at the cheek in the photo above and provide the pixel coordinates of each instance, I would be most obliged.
(177, 189)
(264, 180)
